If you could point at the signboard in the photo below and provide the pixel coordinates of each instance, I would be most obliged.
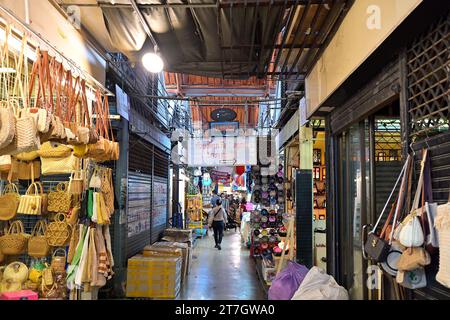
(159, 203)
(224, 128)
(222, 151)
(123, 103)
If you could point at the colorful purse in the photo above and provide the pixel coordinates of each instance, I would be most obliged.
(37, 244)
(59, 199)
(9, 202)
(31, 202)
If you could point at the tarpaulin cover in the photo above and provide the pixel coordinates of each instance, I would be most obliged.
(187, 37)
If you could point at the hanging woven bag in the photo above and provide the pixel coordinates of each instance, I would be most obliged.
(31, 202)
(58, 232)
(59, 199)
(37, 244)
(9, 202)
(14, 242)
(442, 224)
(8, 124)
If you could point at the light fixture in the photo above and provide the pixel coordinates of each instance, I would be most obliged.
(153, 62)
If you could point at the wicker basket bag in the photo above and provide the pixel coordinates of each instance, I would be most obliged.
(14, 242)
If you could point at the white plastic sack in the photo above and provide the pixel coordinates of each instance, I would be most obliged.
(318, 285)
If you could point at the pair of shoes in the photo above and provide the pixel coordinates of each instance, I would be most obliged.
(219, 247)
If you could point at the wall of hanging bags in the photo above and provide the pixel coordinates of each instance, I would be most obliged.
(51, 140)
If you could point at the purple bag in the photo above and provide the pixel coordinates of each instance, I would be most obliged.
(287, 281)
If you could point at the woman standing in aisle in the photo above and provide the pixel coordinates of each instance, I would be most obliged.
(217, 220)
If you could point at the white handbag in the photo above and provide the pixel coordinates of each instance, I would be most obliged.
(411, 234)
(415, 279)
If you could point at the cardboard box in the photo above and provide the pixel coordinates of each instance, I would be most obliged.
(178, 235)
(154, 277)
(163, 251)
(186, 249)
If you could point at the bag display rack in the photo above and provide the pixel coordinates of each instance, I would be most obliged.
(50, 159)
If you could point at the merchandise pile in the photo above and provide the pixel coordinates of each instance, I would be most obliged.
(54, 235)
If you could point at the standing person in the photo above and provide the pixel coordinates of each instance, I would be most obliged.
(214, 198)
(217, 220)
(243, 208)
(225, 202)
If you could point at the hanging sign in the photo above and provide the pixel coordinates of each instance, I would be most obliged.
(123, 103)
(222, 151)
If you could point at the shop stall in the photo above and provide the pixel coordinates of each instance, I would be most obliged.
(57, 150)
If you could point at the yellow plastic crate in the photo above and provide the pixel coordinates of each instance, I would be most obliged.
(154, 277)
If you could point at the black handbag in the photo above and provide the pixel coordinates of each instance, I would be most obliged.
(376, 247)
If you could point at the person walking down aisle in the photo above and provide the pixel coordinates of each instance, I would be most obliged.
(214, 198)
(217, 220)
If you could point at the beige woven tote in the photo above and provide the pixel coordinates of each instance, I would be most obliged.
(442, 225)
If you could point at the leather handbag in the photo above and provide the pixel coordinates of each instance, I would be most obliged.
(14, 242)
(58, 232)
(51, 166)
(376, 246)
(37, 244)
(9, 202)
(59, 199)
(31, 202)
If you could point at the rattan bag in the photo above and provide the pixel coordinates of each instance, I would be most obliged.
(58, 232)
(59, 199)
(37, 244)
(14, 242)
(9, 202)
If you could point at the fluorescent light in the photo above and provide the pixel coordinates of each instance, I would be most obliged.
(152, 62)
(7, 70)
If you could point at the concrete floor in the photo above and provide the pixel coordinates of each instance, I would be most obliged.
(228, 274)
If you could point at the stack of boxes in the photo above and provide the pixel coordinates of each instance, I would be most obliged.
(162, 268)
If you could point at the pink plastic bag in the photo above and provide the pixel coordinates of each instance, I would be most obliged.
(287, 281)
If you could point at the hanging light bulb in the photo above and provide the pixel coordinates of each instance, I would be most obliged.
(152, 62)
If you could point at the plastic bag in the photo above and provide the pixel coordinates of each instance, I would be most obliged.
(287, 281)
(318, 285)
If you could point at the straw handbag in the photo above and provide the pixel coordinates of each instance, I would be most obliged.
(31, 202)
(54, 150)
(59, 199)
(28, 170)
(58, 232)
(9, 202)
(44, 197)
(5, 163)
(37, 244)
(27, 156)
(77, 182)
(80, 150)
(16, 272)
(26, 131)
(8, 124)
(65, 165)
(442, 224)
(58, 263)
(14, 242)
